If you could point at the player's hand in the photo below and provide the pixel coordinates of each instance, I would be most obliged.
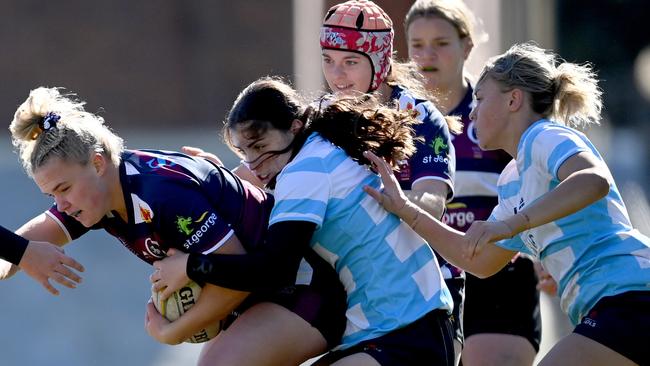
(156, 325)
(195, 151)
(43, 261)
(170, 273)
(392, 198)
(545, 282)
(482, 233)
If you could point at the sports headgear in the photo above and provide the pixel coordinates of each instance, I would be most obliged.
(363, 27)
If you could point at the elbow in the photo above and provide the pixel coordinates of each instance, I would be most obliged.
(601, 186)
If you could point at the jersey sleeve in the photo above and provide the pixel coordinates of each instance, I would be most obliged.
(302, 193)
(72, 228)
(189, 222)
(553, 146)
(434, 157)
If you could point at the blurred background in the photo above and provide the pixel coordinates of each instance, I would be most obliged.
(163, 74)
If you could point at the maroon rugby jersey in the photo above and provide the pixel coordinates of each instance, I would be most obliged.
(177, 201)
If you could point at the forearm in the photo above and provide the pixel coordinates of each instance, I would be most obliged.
(431, 203)
(273, 266)
(213, 305)
(451, 243)
(574, 193)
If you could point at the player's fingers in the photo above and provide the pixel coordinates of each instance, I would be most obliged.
(48, 286)
(68, 261)
(374, 194)
(470, 244)
(165, 293)
(65, 271)
(191, 150)
(58, 277)
(158, 286)
(479, 244)
(379, 163)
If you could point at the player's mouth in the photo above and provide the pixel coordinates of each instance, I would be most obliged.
(344, 87)
(75, 214)
(429, 69)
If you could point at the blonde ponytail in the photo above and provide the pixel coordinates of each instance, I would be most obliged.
(50, 124)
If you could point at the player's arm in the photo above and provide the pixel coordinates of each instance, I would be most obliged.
(270, 267)
(583, 180)
(40, 259)
(432, 166)
(430, 195)
(448, 242)
(212, 306)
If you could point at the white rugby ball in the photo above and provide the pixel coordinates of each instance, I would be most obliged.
(180, 302)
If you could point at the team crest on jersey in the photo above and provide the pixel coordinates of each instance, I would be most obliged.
(154, 248)
(141, 210)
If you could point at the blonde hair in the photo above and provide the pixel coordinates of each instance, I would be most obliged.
(567, 93)
(408, 76)
(72, 137)
(453, 11)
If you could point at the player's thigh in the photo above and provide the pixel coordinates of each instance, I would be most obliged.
(577, 350)
(497, 349)
(265, 334)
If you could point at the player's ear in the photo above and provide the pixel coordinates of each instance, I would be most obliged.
(99, 163)
(296, 126)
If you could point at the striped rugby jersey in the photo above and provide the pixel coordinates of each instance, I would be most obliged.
(176, 201)
(390, 274)
(592, 253)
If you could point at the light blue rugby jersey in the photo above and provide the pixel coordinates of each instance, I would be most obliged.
(592, 253)
(390, 274)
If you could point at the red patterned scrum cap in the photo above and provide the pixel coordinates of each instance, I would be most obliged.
(363, 27)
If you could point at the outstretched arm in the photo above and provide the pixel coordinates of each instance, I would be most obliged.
(40, 260)
(583, 180)
(449, 243)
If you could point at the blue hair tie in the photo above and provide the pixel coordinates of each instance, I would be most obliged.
(49, 121)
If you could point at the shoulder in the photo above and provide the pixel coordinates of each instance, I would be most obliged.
(549, 133)
(551, 142)
(162, 176)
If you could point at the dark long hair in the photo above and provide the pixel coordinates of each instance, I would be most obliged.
(353, 124)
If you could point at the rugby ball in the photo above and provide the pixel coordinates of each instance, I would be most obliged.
(180, 302)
